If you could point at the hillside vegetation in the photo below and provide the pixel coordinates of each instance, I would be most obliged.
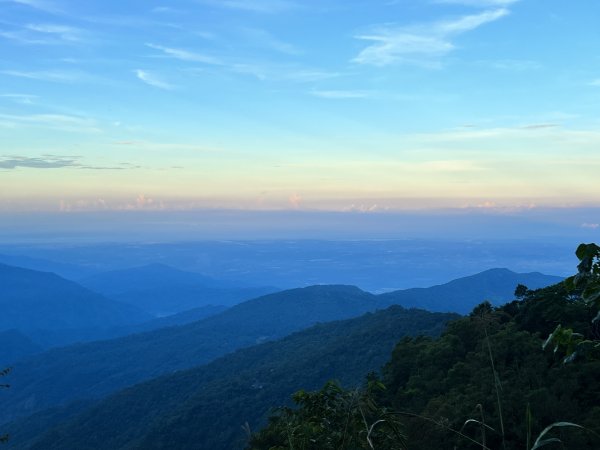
(206, 407)
(486, 383)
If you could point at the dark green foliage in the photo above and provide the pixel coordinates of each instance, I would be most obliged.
(521, 291)
(487, 383)
(584, 286)
(3, 373)
(165, 413)
(332, 419)
(447, 379)
(206, 407)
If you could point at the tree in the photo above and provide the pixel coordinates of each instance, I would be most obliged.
(3, 373)
(521, 291)
(585, 286)
(332, 418)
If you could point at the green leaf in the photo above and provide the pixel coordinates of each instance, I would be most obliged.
(546, 442)
(540, 441)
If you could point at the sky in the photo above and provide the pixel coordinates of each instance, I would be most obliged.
(367, 106)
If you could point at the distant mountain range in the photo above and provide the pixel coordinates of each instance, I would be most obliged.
(69, 271)
(59, 338)
(162, 290)
(52, 311)
(96, 369)
(31, 300)
(14, 345)
(461, 295)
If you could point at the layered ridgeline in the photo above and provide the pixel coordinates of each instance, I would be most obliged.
(162, 290)
(65, 270)
(488, 368)
(32, 300)
(64, 337)
(54, 312)
(463, 294)
(520, 376)
(96, 369)
(206, 407)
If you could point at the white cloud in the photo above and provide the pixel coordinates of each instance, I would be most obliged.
(43, 162)
(62, 32)
(517, 65)
(340, 94)
(164, 9)
(307, 75)
(596, 82)
(295, 201)
(282, 72)
(266, 40)
(153, 80)
(593, 226)
(54, 121)
(44, 34)
(24, 99)
(165, 147)
(185, 55)
(46, 75)
(42, 5)
(259, 6)
(478, 3)
(411, 44)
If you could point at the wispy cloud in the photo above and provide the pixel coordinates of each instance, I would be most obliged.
(42, 5)
(53, 121)
(164, 10)
(46, 75)
(516, 65)
(595, 82)
(24, 99)
(478, 3)
(62, 32)
(266, 40)
(340, 94)
(186, 55)
(44, 34)
(162, 146)
(259, 6)
(153, 80)
(308, 76)
(12, 162)
(411, 44)
(282, 72)
(42, 162)
(540, 126)
(592, 226)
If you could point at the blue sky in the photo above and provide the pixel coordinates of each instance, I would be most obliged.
(329, 105)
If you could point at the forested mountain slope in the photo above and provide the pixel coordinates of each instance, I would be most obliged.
(489, 368)
(206, 407)
(95, 369)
